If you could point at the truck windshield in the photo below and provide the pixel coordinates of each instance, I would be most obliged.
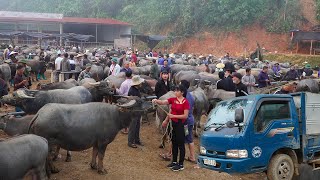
(225, 111)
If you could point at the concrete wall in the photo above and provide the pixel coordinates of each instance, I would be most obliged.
(29, 27)
(111, 32)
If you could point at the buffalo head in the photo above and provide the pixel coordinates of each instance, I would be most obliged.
(146, 88)
(16, 98)
(103, 88)
(134, 104)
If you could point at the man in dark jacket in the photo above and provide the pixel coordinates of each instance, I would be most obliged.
(263, 78)
(241, 89)
(134, 128)
(220, 84)
(292, 74)
(228, 84)
(163, 85)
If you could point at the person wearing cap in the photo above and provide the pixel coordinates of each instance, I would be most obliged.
(307, 71)
(249, 81)
(229, 66)
(78, 63)
(134, 128)
(154, 71)
(12, 56)
(240, 88)
(126, 67)
(276, 69)
(7, 51)
(292, 74)
(166, 67)
(263, 78)
(163, 85)
(85, 73)
(114, 68)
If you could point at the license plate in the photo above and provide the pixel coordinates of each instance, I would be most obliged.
(209, 162)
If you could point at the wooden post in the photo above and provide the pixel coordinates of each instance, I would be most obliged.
(96, 34)
(311, 47)
(61, 31)
(297, 49)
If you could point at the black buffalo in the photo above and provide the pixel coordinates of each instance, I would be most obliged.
(31, 104)
(79, 127)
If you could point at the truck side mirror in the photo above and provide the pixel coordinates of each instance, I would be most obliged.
(239, 116)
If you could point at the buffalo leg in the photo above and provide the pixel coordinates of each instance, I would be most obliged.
(68, 158)
(56, 153)
(50, 158)
(93, 163)
(101, 151)
(40, 172)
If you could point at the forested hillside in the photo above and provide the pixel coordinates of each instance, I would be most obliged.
(182, 17)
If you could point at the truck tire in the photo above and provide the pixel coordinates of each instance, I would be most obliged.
(280, 168)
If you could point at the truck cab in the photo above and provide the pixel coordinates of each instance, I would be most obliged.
(262, 133)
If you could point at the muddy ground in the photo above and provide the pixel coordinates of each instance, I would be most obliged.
(123, 162)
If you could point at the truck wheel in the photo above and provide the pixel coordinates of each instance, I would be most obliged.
(280, 167)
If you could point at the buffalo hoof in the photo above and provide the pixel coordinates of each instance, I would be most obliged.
(93, 166)
(55, 170)
(102, 172)
(68, 159)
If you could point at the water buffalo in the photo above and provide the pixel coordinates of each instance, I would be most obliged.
(189, 76)
(97, 89)
(6, 72)
(67, 84)
(201, 107)
(36, 66)
(13, 126)
(97, 72)
(309, 85)
(79, 127)
(31, 104)
(21, 154)
(218, 94)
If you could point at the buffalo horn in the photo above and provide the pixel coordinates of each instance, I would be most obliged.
(22, 94)
(128, 104)
(94, 84)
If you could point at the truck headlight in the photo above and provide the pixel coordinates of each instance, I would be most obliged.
(237, 153)
(203, 150)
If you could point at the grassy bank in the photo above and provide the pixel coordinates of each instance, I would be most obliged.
(314, 60)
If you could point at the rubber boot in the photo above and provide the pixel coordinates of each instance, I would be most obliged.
(38, 77)
(43, 76)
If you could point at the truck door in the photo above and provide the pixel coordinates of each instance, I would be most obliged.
(272, 128)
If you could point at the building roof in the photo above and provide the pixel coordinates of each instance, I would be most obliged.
(10, 16)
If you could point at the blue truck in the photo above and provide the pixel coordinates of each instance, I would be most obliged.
(275, 134)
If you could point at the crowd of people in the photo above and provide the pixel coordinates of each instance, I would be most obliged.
(179, 120)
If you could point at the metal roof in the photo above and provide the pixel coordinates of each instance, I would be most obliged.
(10, 16)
